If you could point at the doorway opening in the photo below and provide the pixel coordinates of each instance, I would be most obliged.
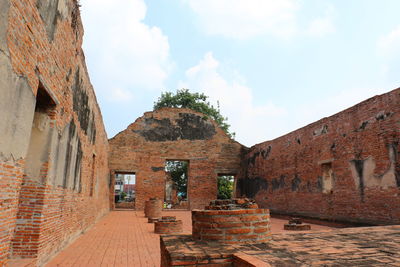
(225, 186)
(125, 190)
(176, 184)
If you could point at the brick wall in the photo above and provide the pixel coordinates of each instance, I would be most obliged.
(344, 167)
(174, 134)
(10, 180)
(54, 179)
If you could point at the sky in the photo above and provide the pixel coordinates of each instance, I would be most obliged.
(273, 66)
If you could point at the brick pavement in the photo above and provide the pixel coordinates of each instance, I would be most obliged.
(124, 238)
(121, 238)
(362, 246)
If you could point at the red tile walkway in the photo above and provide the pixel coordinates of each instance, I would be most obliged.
(124, 238)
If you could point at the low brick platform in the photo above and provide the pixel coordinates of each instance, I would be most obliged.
(183, 250)
(168, 225)
(297, 227)
(363, 246)
(296, 224)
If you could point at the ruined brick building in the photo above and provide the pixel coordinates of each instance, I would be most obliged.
(53, 148)
(345, 167)
(57, 170)
(175, 134)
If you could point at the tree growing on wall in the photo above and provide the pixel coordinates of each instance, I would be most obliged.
(183, 98)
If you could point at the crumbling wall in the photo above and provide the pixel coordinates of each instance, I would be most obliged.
(344, 167)
(51, 131)
(174, 134)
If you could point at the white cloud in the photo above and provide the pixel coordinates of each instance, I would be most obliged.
(121, 95)
(122, 51)
(321, 26)
(389, 44)
(251, 123)
(331, 104)
(242, 19)
(258, 123)
(388, 47)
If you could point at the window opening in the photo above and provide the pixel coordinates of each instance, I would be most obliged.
(225, 186)
(176, 184)
(125, 190)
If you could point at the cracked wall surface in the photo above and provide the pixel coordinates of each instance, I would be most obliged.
(51, 128)
(175, 134)
(344, 167)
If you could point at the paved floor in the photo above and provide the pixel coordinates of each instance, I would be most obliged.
(355, 247)
(361, 246)
(124, 238)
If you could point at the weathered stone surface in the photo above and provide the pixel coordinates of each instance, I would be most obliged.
(4, 8)
(16, 109)
(186, 127)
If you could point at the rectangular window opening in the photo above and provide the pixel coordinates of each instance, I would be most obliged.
(176, 184)
(225, 184)
(125, 190)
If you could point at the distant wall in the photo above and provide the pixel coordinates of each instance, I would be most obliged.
(344, 167)
(175, 134)
(53, 147)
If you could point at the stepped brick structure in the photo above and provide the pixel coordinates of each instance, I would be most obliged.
(215, 232)
(53, 146)
(175, 134)
(345, 167)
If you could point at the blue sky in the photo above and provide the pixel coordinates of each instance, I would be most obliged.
(274, 65)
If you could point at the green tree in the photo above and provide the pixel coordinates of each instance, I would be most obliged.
(195, 101)
(178, 171)
(225, 187)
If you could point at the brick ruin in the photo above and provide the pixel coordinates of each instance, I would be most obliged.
(218, 232)
(53, 147)
(174, 134)
(345, 167)
(57, 167)
(232, 221)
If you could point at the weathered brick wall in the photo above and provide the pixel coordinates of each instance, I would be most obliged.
(10, 180)
(54, 179)
(174, 134)
(344, 167)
